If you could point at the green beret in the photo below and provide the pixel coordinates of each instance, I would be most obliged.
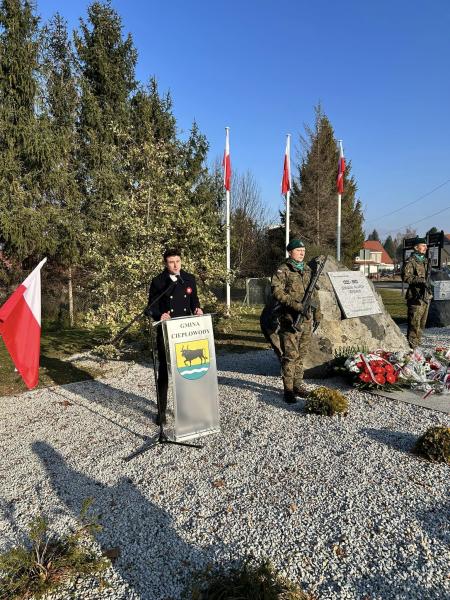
(419, 240)
(293, 244)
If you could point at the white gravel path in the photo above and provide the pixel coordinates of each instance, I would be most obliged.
(338, 504)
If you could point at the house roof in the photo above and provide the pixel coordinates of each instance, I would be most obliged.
(375, 246)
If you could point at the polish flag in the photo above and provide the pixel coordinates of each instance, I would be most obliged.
(20, 326)
(341, 170)
(226, 163)
(286, 181)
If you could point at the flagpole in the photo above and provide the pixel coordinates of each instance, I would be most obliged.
(288, 192)
(227, 149)
(288, 208)
(228, 251)
(338, 235)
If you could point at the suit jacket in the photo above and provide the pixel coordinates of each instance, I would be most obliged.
(180, 298)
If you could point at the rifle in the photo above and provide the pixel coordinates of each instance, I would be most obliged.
(427, 287)
(307, 299)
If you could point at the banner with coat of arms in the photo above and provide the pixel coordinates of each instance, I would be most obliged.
(191, 361)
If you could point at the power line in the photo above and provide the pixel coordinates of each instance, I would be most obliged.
(419, 221)
(410, 203)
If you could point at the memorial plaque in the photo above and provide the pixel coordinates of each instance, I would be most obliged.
(441, 290)
(354, 294)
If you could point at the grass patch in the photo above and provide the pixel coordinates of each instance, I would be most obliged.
(241, 331)
(44, 562)
(248, 582)
(395, 304)
(57, 345)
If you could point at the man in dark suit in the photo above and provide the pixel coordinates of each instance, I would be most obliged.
(178, 298)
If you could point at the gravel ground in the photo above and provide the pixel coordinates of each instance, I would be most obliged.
(338, 504)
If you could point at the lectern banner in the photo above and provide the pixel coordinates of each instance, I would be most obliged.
(191, 360)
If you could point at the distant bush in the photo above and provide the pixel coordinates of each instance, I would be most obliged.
(247, 582)
(325, 401)
(434, 444)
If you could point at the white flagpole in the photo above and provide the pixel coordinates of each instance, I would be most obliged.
(227, 151)
(288, 193)
(338, 236)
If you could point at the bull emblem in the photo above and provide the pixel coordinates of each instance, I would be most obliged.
(193, 358)
(190, 355)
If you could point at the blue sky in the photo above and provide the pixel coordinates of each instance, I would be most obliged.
(380, 70)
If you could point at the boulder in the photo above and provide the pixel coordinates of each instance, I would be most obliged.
(336, 332)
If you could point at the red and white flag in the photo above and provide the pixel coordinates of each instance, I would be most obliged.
(341, 170)
(20, 326)
(286, 181)
(227, 161)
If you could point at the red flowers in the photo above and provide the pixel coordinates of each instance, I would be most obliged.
(377, 370)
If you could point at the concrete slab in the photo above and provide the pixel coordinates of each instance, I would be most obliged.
(439, 402)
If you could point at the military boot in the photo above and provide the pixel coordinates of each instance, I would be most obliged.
(300, 391)
(289, 397)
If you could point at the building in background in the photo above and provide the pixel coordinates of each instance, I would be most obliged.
(373, 260)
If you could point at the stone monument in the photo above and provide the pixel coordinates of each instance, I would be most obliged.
(371, 331)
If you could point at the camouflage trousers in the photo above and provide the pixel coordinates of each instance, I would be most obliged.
(294, 347)
(417, 318)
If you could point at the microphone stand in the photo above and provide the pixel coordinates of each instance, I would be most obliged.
(162, 437)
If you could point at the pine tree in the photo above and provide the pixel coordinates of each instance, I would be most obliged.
(313, 198)
(107, 63)
(62, 186)
(25, 151)
(374, 237)
(314, 195)
(389, 246)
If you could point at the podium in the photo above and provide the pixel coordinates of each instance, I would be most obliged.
(191, 363)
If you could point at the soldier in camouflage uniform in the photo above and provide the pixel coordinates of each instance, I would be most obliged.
(418, 295)
(289, 285)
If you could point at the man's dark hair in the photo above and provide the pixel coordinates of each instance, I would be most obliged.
(171, 252)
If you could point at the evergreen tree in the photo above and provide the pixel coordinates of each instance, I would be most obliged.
(389, 246)
(314, 196)
(106, 63)
(374, 237)
(62, 187)
(24, 142)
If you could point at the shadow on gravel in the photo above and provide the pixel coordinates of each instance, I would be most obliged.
(262, 362)
(61, 371)
(154, 560)
(125, 404)
(435, 522)
(275, 392)
(397, 440)
(389, 586)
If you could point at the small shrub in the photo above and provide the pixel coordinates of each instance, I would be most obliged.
(46, 561)
(248, 582)
(107, 351)
(434, 444)
(325, 401)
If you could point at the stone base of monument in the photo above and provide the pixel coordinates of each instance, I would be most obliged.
(337, 333)
(439, 313)
(439, 402)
